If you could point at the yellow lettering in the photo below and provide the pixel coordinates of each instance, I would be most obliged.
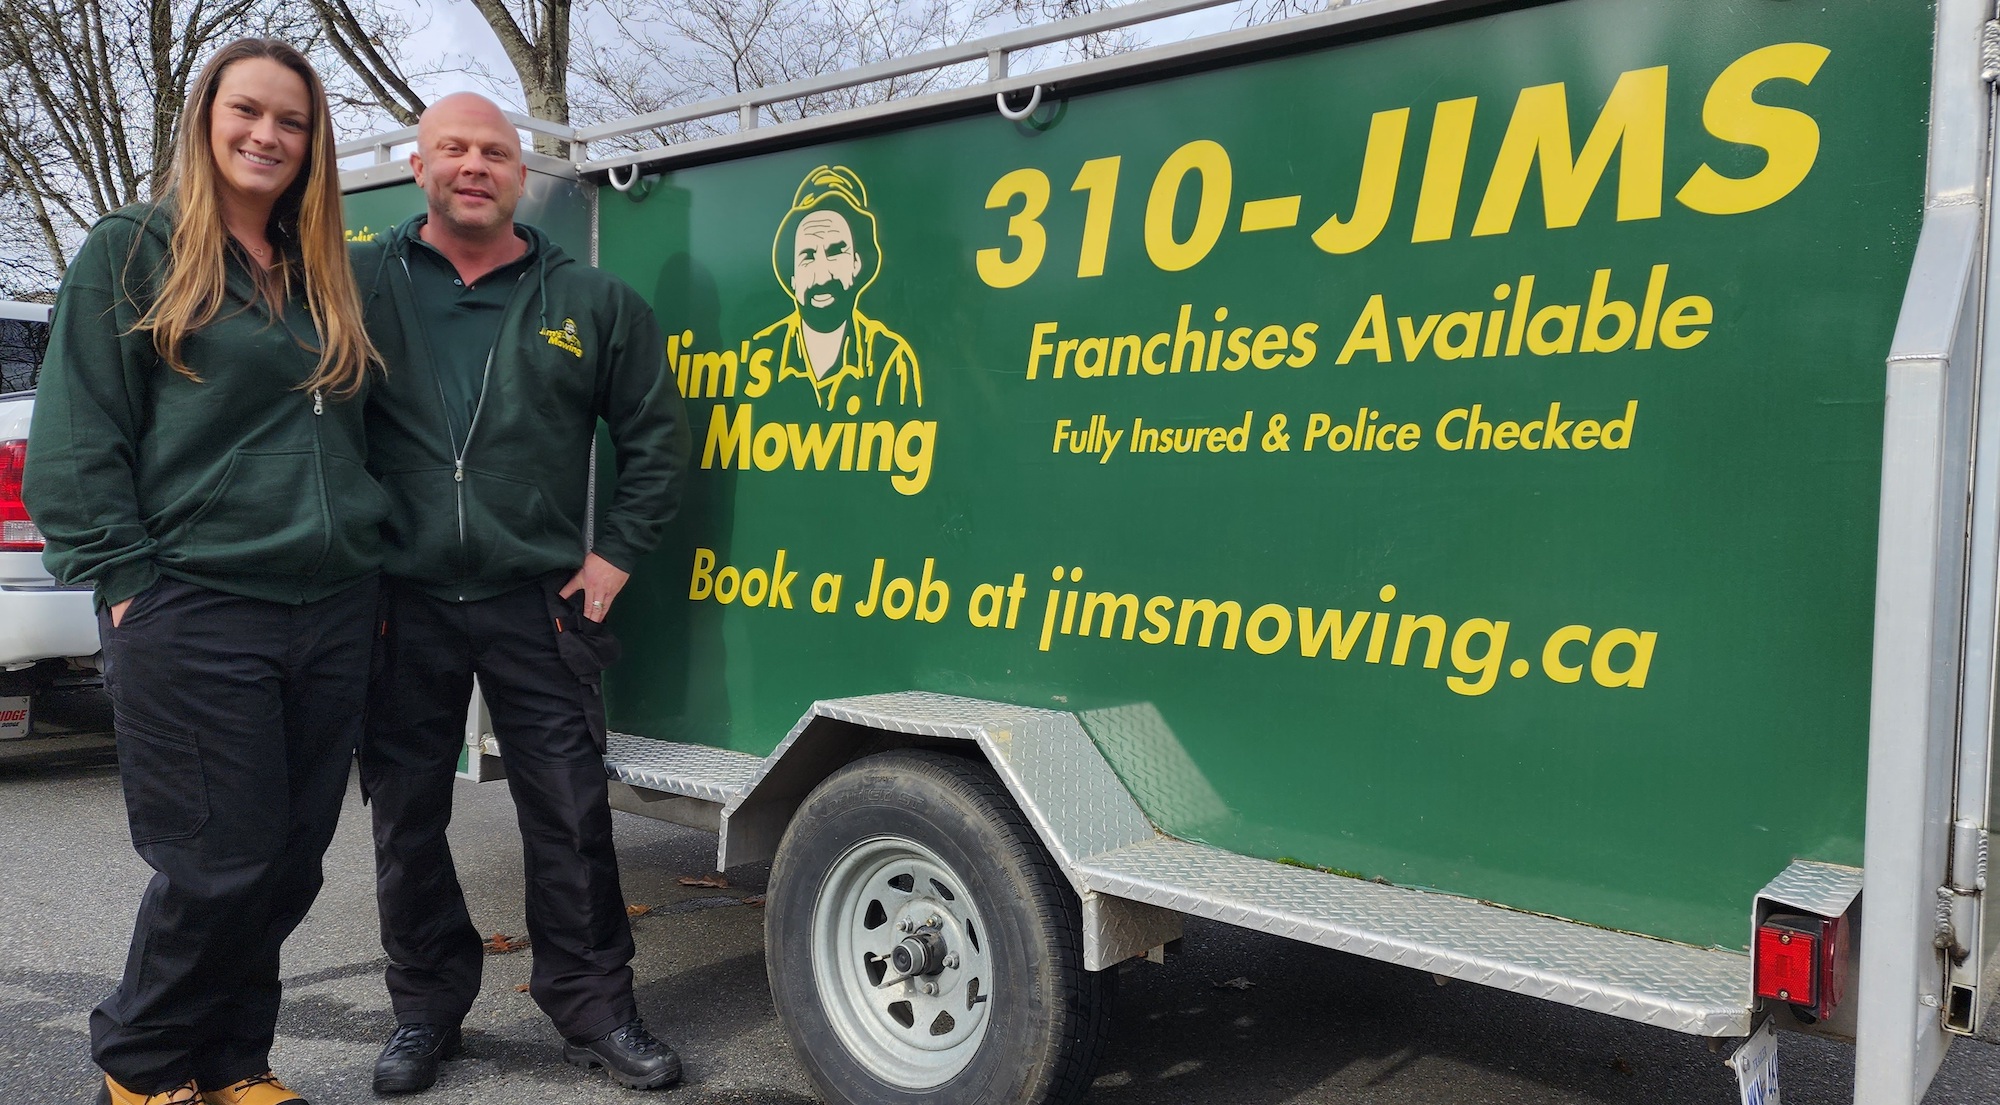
(1434, 629)
(1209, 610)
(1444, 170)
(1378, 187)
(1632, 124)
(702, 583)
(1789, 138)
(1210, 162)
(1634, 674)
(1371, 332)
(1552, 663)
(728, 439)
(1031, 186)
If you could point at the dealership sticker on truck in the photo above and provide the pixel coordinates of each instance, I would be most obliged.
(14, 717)
(1756, 1064)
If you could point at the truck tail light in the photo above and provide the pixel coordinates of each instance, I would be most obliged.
(17, 533)
(1801, 960)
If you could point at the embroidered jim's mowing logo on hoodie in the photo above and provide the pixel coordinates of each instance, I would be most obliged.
(826, 388)
(565, 339)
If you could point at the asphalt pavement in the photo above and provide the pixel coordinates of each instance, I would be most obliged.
(1237, 1017)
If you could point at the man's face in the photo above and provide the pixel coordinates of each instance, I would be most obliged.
(825, 269)
(468, 162)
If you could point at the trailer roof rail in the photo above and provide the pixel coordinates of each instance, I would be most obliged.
(1001, 85)
(749, 106)
(382, 145)
(994, 50)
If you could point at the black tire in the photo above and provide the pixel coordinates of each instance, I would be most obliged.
(1046, 1018)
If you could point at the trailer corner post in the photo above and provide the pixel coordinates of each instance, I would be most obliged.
(1920, 586)
(1973, 973)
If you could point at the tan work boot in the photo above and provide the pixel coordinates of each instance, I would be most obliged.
(114, 1094)
(265, 1089)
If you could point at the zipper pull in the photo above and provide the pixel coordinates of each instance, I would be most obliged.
(458, 471)
(319, 403)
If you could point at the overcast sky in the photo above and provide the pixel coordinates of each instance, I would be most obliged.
(456, 29)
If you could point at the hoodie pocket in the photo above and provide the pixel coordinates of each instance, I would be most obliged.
(267, 515)
(421, 538)
(359, 506)
(510, 531)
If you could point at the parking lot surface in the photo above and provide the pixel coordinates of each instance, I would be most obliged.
(1238, 1017)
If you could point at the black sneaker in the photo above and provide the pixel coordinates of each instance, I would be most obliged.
(630, 1054)
(410, 1060)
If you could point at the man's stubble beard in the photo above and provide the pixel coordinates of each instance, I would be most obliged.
(442, 210)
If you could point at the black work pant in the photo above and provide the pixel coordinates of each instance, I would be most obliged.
(580, 934)
(236, 722)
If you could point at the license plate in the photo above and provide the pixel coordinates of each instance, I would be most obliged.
(15, 714)
(1756, 1064)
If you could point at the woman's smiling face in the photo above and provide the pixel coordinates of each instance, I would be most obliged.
(259, 132)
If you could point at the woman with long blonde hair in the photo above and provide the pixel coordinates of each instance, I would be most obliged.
(196, 458)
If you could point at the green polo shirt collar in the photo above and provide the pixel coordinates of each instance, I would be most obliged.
(461, 321)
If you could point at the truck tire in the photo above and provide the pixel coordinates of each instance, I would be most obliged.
(924, 854)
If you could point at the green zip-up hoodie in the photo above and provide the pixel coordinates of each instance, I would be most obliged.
(241, 483)
(481, 509)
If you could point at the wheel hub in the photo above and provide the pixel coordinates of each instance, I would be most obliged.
(900, 965)
(921, 953)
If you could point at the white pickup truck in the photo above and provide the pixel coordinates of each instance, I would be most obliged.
(48, 632)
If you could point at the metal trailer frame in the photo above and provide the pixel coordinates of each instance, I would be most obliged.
(1930, 724)
(1928, 951)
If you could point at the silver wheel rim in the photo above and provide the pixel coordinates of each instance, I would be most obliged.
(919, 1032)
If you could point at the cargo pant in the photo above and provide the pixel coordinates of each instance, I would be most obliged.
(236, 722)
(537, 663)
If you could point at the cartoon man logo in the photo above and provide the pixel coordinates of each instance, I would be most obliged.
(826, 254)
(566, 338)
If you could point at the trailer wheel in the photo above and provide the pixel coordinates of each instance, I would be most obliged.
(922, 946)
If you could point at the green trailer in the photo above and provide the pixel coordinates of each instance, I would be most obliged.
(1498, 488)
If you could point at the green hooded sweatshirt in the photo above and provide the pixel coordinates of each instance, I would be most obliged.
(242, 482)
(482, 505)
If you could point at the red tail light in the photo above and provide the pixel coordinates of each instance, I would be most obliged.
(17, 533)
(1801, 960)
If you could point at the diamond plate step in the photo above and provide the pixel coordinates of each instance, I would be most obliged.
(689, 770)
(1705, 992)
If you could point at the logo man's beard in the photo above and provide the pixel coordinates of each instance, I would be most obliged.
(829, 318)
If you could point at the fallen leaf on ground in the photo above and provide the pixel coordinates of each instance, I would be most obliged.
(1238, 983)
(637, 910)
(502, 944)
(521, 989)
(755, 899)
(1619, 1064)
(713, 882)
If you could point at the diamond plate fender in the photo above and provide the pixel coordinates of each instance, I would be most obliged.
(1826, 889)
(1044, 757)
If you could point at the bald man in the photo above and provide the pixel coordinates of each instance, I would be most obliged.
(503, 353)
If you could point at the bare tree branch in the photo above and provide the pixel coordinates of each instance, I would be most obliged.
(358, 42)
(90, 91)
(540, 54)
